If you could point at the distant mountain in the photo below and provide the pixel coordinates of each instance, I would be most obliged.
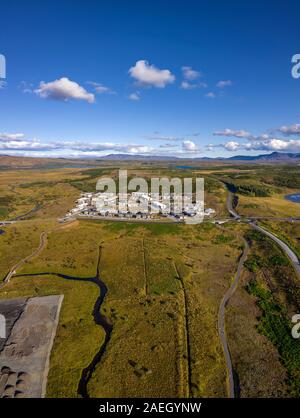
(274, 156)
(17, 162)
(124, 157)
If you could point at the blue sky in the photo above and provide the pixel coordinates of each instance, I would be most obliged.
(192, 78)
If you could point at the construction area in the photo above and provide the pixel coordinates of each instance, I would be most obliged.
(137, 205)
(27, 335)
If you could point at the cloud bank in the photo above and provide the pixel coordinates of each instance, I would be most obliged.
(263, 142)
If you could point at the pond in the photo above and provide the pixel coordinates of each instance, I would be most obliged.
(293, 197)
(185, 167)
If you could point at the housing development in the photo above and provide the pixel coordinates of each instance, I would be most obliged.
(141, 206)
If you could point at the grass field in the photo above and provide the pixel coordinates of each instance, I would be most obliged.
(289, 232)
(18, 241)
(21, 191)
(275, 205)
(259, 319)
(164, 340)
(164, 286)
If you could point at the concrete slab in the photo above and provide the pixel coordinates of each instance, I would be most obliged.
(11, 310)
(24, 359)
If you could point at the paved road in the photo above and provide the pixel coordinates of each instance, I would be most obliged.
(230, 206)
(167, 221)
(273, 218)
(37, 207)
(292, 256)
(221, 318)
(235, 215)
(43, 238)
(251, 220)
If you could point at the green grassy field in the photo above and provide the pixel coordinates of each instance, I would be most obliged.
(164, 287)
(145, 303)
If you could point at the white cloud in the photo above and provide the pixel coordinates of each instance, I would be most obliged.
(224, 83)
(26, 87)
(135, 96)
(5, 137)
(234, 133)
(149, 75)
(64, 89)
(106, 146)
(27, 145)
(100, 88)
(210, 147)
(274, 144)
(167, 146)
(190, 74)
(138, 149)
(185, 85)
(158, 137)
(261, 137)
(290, 130)
(189, 146)
(210, 95)
(269, 144)
(232, 146)
(73, 146)
(16, 144)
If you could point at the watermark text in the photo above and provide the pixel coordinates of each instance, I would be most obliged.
(2, 66)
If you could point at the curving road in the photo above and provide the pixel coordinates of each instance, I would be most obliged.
(221, 318)
(292, 256)
(12, 271)
(251, 221)
(229, 204)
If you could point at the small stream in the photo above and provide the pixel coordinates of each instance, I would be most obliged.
(105, 324)
(99, 319)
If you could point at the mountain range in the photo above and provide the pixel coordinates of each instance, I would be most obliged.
(274, 156)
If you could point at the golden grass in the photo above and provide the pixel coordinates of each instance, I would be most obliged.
(19, 240)
(27, 188)
(255, 360)
(275, 205)
(164, 341)
(165, 284)
(148, 355)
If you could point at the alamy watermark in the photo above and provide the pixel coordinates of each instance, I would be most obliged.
(296, 67)
(296, 328)
(174, 197)
(2, 66)
(2, 326)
